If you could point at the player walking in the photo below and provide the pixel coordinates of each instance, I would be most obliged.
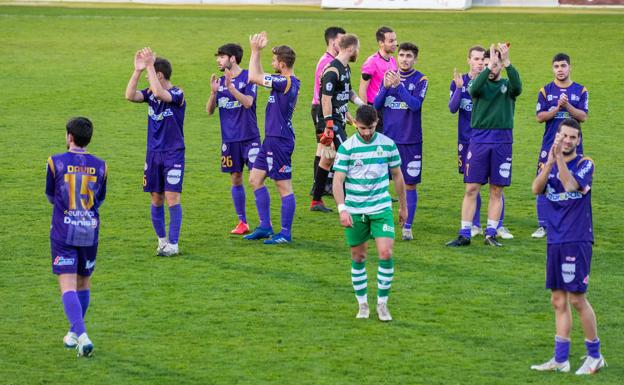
(461, 101)
(164, 161)
(400, 98)
(565, 180)
(76, 187)
(235, 97)
(376, 66)
(336, 92)
(361, 166)
(275, 157)
(560, 99)
(489, 153)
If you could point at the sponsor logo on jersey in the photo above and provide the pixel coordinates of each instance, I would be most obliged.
(394, 104)
(465, 104)
(174, 176)
(269, 160)
(387, 228)
(586, 280)
(329, 86)
(253, 153)
(267, 81)
(228, 104)
(574, 98)
(588, 166)
(570, 259)
(285, 169)
(63, 261)
(413, 168)
(158, 117)
(224, 147)
(568, 271)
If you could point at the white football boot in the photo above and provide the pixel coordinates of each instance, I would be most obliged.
(504, 233)
(162, 242)
(475, 230)
(169, 250)
(553, 365)
(407, 235)
(85, 346)
(383, 313)
(591, 365)
(363, 311)
(539, 233)
(70, 340)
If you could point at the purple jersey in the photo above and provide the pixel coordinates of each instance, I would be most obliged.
(568, 214)
(165, 121)
(76, 186)
(464, 108)
(280, 106)
(238, 123)
(401, 107)
(547, 99)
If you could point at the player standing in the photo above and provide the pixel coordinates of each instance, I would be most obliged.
(460, 100)
(400, 98)
(489, 153)
(275, 157)
(235, 97)
(332, 37)
(376, 66)
(560, 99)
(361, 166)
(164, 161)
(336, 92)
(76, 187)
(565, 180)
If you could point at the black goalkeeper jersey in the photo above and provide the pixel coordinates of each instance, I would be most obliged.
(336, 82)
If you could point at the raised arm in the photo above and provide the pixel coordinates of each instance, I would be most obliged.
(157, 89)
(132, 94)
(456, 87)
(211, 104)
(257, 42)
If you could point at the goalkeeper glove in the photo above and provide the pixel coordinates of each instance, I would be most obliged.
(328, 136)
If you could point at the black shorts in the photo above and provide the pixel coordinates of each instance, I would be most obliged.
(318, 120)
(340, 135)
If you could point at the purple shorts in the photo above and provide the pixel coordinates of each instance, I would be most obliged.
(411, 162)
(488, 163)
(275, 157)
(68, 259)
(462, 151)
(164, 171)
(236, 155)
(567, 266)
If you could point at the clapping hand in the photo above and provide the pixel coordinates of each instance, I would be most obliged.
(258, 41)
(457, 78)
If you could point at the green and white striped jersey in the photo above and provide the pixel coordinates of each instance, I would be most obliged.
(366, 167)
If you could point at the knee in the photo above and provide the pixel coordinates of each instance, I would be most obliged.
(559, 302)
(173, 199)
(472, 190)
(325, 163)
(237, 178)
(578, 301)
(385, 254)
(358, 257)
(255, 182)
(496, 192)
(158, 199)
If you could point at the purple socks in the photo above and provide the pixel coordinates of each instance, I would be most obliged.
(158, 220)
(238, 196)
(476, 220)
(84, 296)
(288, 213)
(562, 349)
(175, 222)
(412, 203)
(263, 204)
(593, 348)
(73, 312)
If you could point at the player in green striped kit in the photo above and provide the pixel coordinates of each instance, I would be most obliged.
(361, 170)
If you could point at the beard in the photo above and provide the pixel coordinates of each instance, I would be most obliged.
(568, 153)
(353, 58)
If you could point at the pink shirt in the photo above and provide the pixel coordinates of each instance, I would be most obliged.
(320, 67)
(376, 66)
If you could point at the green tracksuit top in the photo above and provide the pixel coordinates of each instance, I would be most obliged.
(493, 102)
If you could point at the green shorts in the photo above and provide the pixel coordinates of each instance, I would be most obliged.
(368, 226)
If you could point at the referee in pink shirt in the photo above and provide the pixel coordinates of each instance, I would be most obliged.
(375, 67)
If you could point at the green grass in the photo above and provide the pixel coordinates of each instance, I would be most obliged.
(231, 312)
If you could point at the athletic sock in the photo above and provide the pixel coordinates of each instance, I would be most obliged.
(263, 204)
(476, 220)
(288, 213)
(464, 229)
(490, 231)
(73, 312)
(158, 220)
(319, 186)
(359, 281)
(502, 216)
(175, 223)
(385, 273)
(238, 196)
(562, 349)
(317, 159)
(593, 348)
(412, 203)
(84, 296)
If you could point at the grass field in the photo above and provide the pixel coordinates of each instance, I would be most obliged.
(232, 312)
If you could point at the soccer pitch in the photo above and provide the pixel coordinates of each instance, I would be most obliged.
(233, 312)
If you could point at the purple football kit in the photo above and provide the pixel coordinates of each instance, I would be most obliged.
(279, 141)
(239, 128)
(76, 186)
(492, 148)
(164, 161)
(570, 229)
(461, 101)
(402, 120)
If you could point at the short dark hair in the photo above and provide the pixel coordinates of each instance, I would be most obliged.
(561, 57)
(572, 123)
(81, 129)
(285, 54)
(409, 47)
(332, 32)
(486, 54)
(231, 49)
(163, 66)
(381, 33)
(348, 40)
(477, 48)
(366, 115)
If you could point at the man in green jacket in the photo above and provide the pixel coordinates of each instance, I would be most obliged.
(489, 151)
